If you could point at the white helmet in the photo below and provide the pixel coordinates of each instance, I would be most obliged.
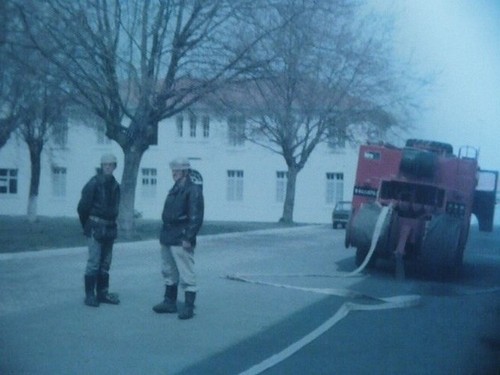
(108, 159)
(180, 164)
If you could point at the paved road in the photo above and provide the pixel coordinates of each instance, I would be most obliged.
(454, 330)
(46, 329)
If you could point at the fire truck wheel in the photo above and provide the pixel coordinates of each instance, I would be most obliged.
(441, 249)
(347, 237)
(459, 255)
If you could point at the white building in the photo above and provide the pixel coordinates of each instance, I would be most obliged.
(242, 181)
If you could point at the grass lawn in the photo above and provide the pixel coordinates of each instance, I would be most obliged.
(18, 234)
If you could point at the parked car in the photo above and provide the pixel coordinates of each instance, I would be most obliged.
(341, 213)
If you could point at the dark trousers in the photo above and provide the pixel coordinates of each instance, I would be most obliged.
(99, 257)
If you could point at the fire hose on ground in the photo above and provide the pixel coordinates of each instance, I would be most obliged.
(397, 302)
(376, 303)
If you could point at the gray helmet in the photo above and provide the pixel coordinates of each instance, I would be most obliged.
(108, 158)
(180, 164)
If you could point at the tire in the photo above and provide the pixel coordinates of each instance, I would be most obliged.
(442, 246)
(459, 254)
(347, 234)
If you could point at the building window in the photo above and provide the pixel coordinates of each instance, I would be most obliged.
(60, 135)
(102, 138)
(192, 126)
(149, 182)
(334, 187)
(179, 121)
(234, 185)
(206, 126)
(281, 180)
(236, 130)
(58, 181)
(8, 181)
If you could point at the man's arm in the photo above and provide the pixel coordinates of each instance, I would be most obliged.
(85, 203)
(195, 213)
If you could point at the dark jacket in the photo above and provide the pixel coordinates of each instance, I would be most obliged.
(100, 198)
(182, 213)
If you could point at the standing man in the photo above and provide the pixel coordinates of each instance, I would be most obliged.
(182, 219)
(98, 210)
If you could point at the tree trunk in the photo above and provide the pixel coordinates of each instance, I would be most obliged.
(35, 149)
(131, 164)
(289, 204)
(32, 208)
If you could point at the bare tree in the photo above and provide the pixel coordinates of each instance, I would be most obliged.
(33, 103)
(331, 78)
(134, 63)
(9, 74)
(10, 109)
(43, 119)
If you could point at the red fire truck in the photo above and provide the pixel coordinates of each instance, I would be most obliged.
(430, 193)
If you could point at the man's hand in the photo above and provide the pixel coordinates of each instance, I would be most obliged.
(186, 245)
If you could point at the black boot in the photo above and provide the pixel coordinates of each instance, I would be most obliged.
(187, 311)
(103, 296)
(90, 297)
(169, 304)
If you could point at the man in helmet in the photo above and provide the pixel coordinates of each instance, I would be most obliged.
(182, 219)
(98, 210)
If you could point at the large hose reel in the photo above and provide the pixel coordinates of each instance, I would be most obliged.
(363, 230)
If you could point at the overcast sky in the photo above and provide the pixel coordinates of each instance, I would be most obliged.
(460, 40)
